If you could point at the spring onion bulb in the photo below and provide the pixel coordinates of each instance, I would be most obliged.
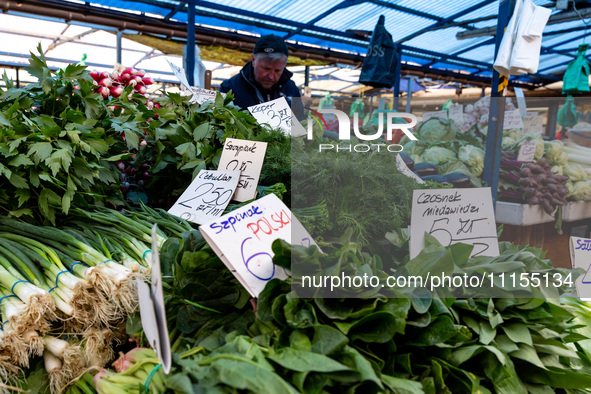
(57, 375)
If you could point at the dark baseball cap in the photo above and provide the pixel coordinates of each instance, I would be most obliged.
(270, 44)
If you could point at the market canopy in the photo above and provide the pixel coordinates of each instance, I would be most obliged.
(437, 38)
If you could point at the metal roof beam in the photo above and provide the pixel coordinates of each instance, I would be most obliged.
(265, 18)
(444, 56)
(487, 42)
(339, 6)
(448, 22)
(567, 16)
(176, 9)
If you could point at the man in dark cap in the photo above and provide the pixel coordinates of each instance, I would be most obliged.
(264, 77)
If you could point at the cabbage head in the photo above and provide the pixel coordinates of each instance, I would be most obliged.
(507, 141)
(553, 151)
(512, 133)
(414, 147)
(473, 157)
(437, 155)
(575, 172)
(436, 130)
(581, 190)
(557, 170)
(539, 145)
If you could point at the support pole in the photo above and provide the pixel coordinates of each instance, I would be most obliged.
(307, 76)
(409, 94)
(18, 82)
(397, 80)
(190, 52)
(119, 47)
(494, 136)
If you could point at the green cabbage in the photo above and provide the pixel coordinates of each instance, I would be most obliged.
(473, 157)
(557, 170)
(512, 133)
(414, 147)
(437, 155)
(581, 190)
(553, 151)
(437, 130)
(454, 166)
(539, 145)
(575, 172)
(507, 141)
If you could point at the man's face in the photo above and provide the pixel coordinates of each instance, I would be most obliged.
(267, 71)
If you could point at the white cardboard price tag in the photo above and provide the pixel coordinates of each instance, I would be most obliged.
(580, 256)
(243, 238)
(512, 120)
(278, 115)
(207, 196)
(152, 311)
(179, 72)
(403, 168)
(521, 105)
(533, 124)
(202, 95)
(436, 114)
(527, 151)
(246, 157)
(452, 216)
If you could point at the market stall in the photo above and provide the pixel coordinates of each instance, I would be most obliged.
(172, 242)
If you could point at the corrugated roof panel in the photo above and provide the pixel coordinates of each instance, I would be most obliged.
(319, 42)
(548, 61)
(439, 8)
(444, 41)
(365, 16)
(556, 40)
(133, 6)
(484, 53)
(451, 66)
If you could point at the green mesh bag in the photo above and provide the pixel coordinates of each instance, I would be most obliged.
(567, 115)
(576, 77)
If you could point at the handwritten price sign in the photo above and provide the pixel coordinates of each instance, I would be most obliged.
(207, 196)
(247, 157)
(278, 115)
(243, 238)
(527, 151)
(452, 216)
(580, 255)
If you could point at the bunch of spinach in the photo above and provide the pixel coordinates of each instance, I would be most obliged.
(56, 137)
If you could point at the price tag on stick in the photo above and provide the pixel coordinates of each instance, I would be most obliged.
(179, 72)
(152, 311)
(243, 238)
(207, 196)
(452, 216)
(580, 256)
(278, 115)
(247, 157)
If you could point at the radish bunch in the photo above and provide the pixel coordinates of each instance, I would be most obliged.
(114, 83)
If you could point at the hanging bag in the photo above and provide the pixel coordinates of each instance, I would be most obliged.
(379, 66)
(576, 77)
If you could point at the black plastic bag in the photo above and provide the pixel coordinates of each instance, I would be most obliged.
(379, 66)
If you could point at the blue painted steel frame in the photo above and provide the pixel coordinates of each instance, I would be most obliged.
(494, 136)
(190, 52)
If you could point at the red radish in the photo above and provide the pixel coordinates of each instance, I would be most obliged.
(133, 82)
(125, 77)
(107, 82)
(103, 75)
(138, 79)
(116, 91)
(133, 71)
(141, 73)
(150, 104)
(156, 105)
(115, 75)
(141, 89)
(95, 75)
(95, 83)
(104, 91)
(128, 70)
(147, 80)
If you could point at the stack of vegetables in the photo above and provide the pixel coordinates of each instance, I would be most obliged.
(578, 170)
(383, 340)
(450, 153)
(78, 280)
